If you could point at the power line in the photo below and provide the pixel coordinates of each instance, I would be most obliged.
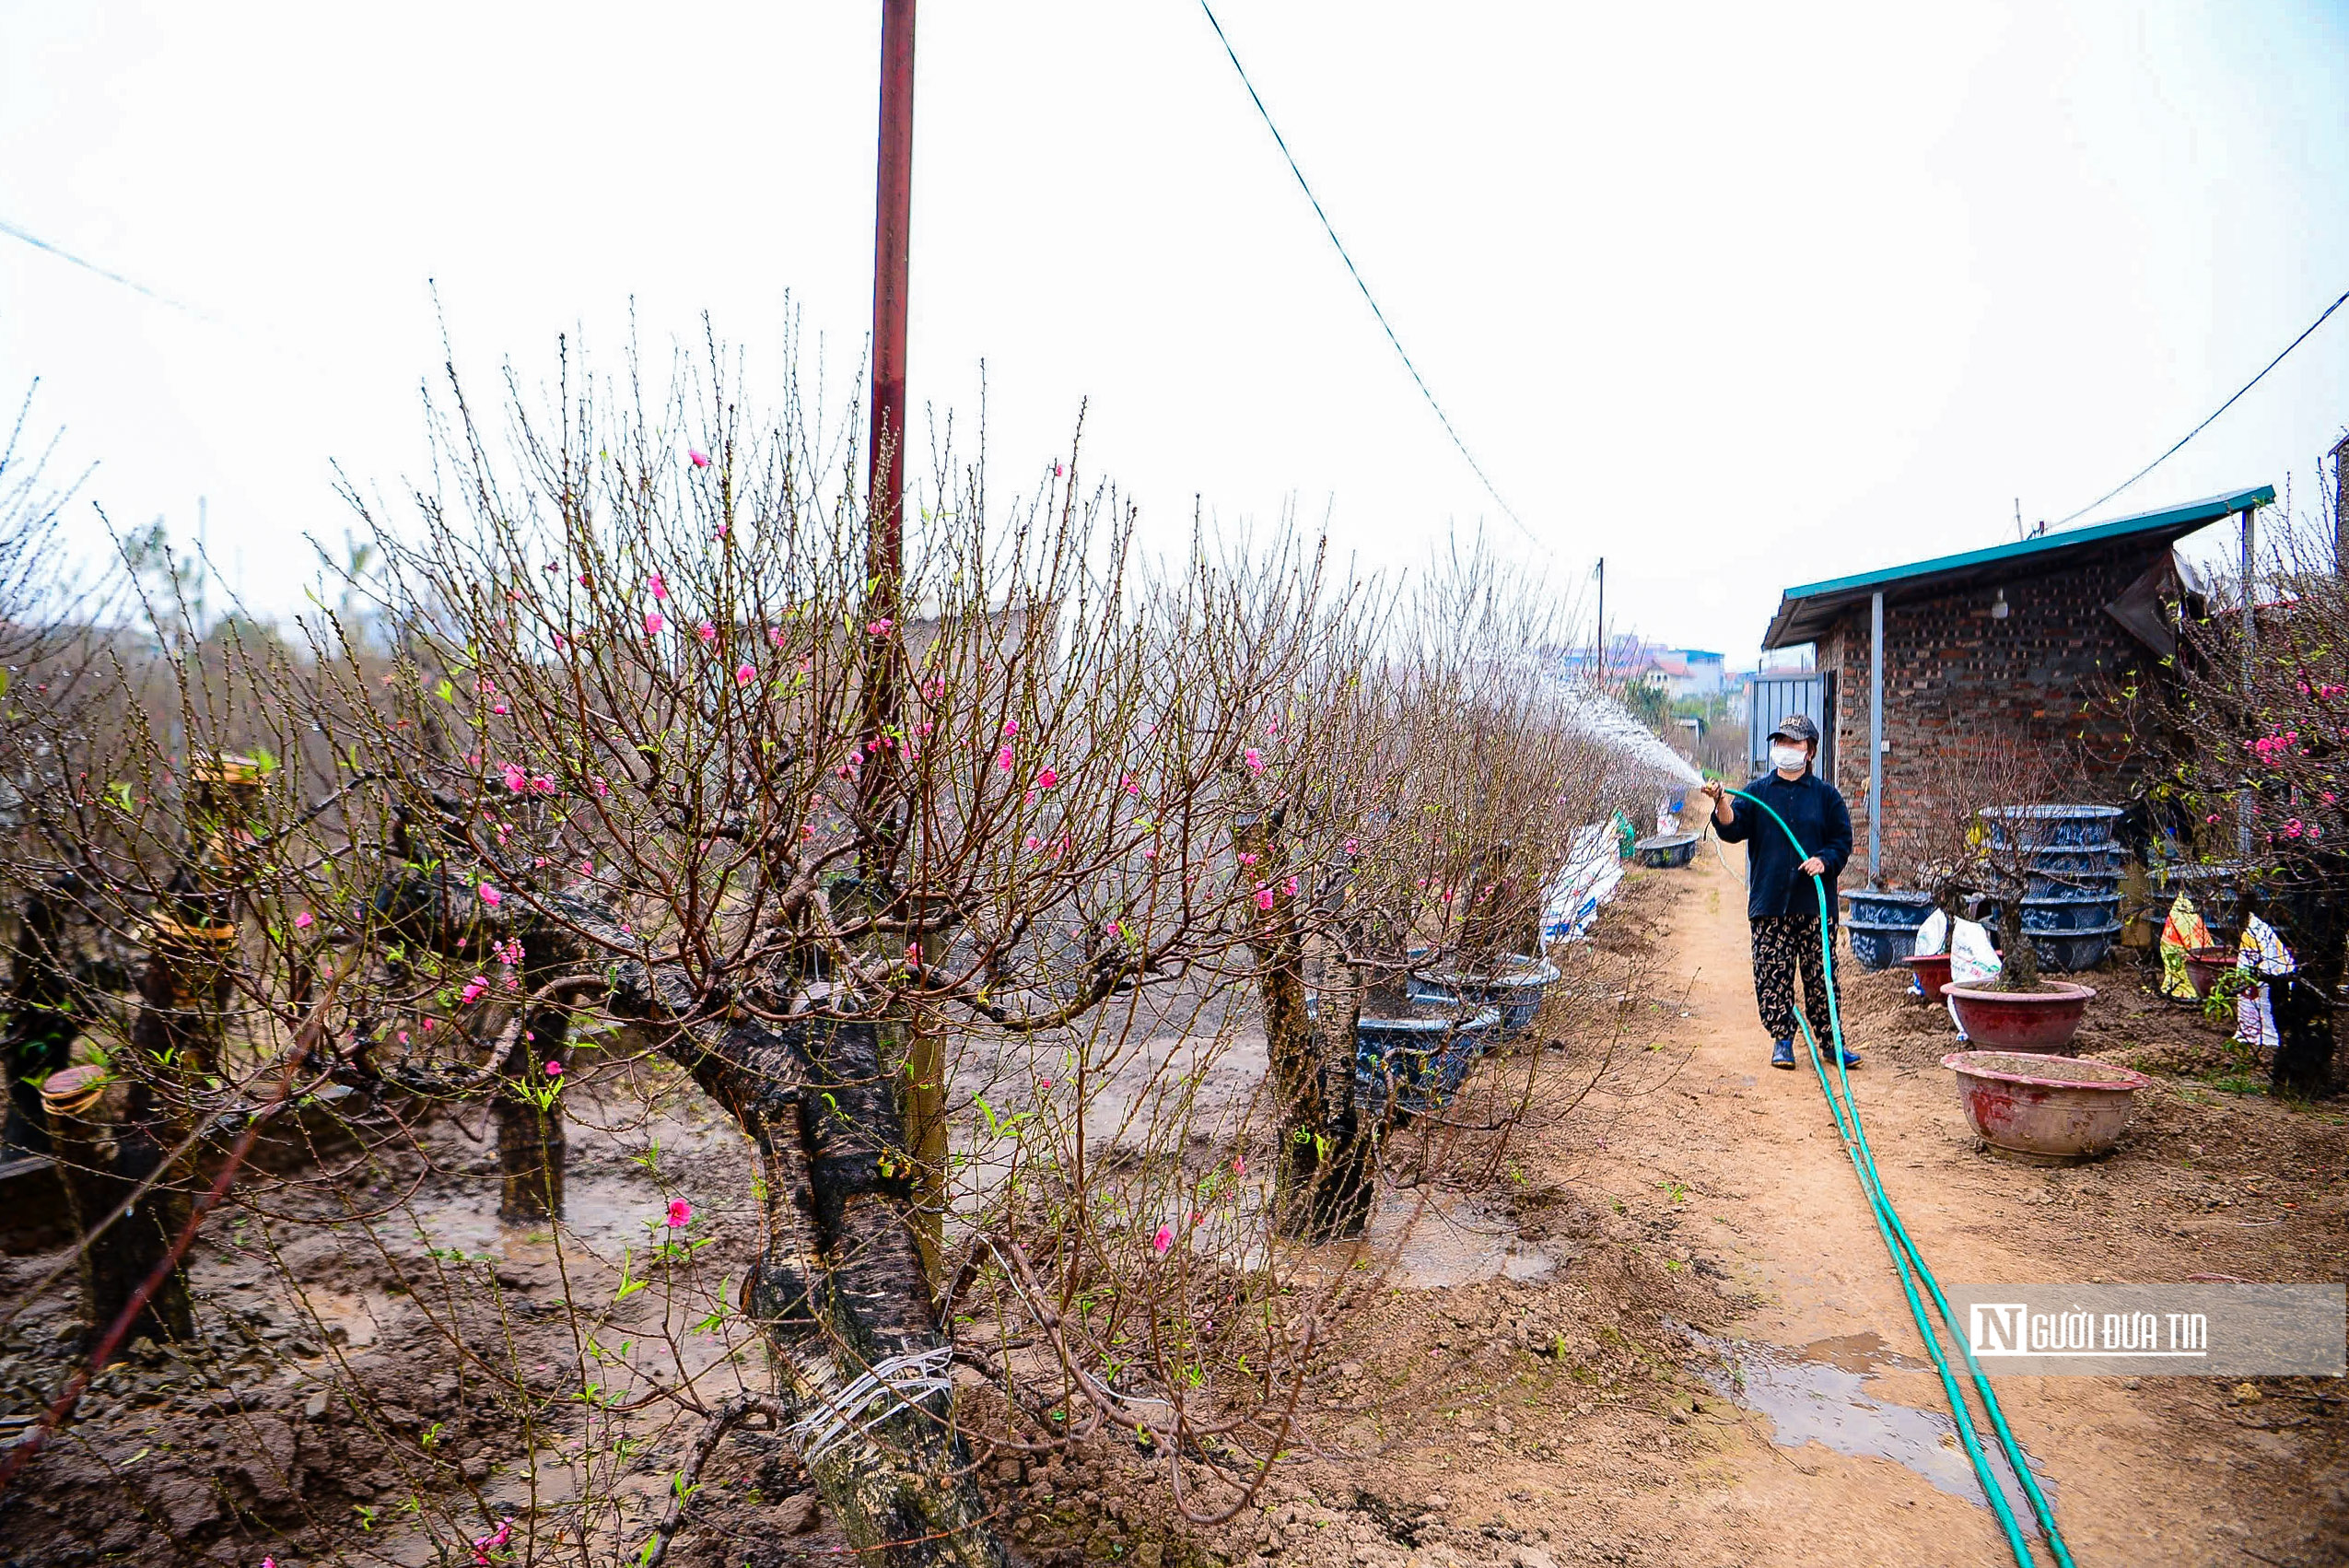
(1330, 230)
(2206, 425)
(38, 244)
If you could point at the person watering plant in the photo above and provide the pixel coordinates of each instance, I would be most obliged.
(1782, 899)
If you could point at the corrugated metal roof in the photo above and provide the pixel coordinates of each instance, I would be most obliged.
(1804, 612)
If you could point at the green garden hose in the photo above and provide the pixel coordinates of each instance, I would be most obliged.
(1910, 1263)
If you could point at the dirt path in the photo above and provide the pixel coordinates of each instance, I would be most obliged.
(2143, 1471)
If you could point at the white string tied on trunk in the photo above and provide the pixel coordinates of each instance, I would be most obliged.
(898, 1381)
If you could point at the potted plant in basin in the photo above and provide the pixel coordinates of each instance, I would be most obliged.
(2022, 860)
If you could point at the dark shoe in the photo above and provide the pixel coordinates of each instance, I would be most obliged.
(1783, 1054)
(1851, 1058)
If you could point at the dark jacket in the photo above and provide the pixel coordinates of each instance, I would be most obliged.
(1816, 813)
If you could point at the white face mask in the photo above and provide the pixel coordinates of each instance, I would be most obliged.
(1788, 758)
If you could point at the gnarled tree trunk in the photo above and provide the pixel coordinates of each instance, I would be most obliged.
(840, 1290)
(1324, 1175)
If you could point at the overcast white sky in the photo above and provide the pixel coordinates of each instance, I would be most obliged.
(1738, 297)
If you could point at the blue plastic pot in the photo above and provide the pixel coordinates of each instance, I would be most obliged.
(2051, 827)
(1421, 1060)
(1514, 993)
(1879, 944)
(1888, 906)
(2071, 913)
(2067, 953)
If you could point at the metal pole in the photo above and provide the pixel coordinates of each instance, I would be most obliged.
(1602, 622)
(1875, 739)
(892, 247)
(2250, 641)
(885, 471)
(885, 490)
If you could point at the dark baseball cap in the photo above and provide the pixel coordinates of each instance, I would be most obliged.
(1797, 727)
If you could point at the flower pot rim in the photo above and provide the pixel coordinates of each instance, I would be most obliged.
(2066, 991)
(1969, 1064)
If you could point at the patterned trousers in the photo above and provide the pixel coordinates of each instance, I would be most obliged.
(1782, 945)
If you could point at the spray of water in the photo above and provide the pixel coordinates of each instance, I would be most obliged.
(1601, 717)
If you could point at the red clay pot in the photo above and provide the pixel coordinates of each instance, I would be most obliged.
(2044, 1110)
(2206, 965)
(1933, 973)
(2022, 1021)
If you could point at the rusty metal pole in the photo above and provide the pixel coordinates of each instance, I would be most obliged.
(885, 466)
(892, 260)
(892, 250)
(2251, 651)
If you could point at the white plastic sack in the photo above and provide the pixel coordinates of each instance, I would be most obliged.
(2262, 952)
(1592, 872)
(2255, 1020)
(1972, 959)
(1933, 935)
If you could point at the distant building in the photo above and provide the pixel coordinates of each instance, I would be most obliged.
(1678, 672)
(1704, 673)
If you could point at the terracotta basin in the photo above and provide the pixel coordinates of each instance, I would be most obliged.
(1933, 973)
(2045, 1110)
(2021, 1021)
(2206, 965)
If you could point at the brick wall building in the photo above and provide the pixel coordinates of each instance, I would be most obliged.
(2025, 641)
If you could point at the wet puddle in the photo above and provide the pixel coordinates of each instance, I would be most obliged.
(1434, 1242)
(1443, 1245)
(1816, 1394)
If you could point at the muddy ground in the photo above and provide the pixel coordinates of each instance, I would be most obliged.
(1664, 1333)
